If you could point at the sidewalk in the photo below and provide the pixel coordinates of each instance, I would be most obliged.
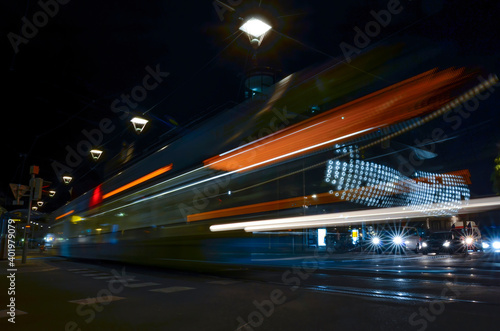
(35, 262)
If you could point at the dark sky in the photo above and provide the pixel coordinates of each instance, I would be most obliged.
(64, 76)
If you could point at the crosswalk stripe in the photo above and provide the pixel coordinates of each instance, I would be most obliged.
(172, 289)
(95, 274)
(90, 301)
(122, 280)
(141, 285)
(104, 277)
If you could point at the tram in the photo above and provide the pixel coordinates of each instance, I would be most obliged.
(298, 150)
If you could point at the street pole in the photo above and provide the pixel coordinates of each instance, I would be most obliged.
(465, 236)
(33, 171)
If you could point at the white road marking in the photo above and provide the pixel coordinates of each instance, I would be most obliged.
(172, 289)
(95, 274)
(141, 285)
(105, 277)
(122, 280)
(90, 301)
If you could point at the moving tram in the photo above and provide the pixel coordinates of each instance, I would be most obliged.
(300, 151)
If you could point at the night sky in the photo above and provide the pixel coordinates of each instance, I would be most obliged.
(68, 74)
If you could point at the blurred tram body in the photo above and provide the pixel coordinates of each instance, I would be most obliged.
(265, 158)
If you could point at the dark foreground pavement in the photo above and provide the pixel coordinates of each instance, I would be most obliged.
(54, 293)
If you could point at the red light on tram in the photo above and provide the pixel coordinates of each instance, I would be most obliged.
(96, 198)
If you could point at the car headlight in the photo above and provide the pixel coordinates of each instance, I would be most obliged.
(397, 240)
(469, 240)
(486, 245)
(496, 244)
(376, 240)
(424, 244)
(446, 243)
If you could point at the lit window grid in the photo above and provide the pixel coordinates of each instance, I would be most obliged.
(377, 185)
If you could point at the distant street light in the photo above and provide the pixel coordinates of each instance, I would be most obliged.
(256, 30)
(139, 123)
(67, 179)
(96, 154)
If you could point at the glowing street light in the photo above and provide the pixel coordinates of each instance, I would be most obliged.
(96, 154)
(256, 30)
(255, 27)
(139, 123)
(67, 179)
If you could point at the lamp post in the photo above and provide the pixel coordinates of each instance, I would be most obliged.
(34, 170)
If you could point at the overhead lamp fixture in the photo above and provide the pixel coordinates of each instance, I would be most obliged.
(96, 154)
(39, 203)
(255, 27)
(139, 123)
(34, 208)
(52, 193)
(67, 179)
(256, 30)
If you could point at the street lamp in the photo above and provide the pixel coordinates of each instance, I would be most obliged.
(256, 29)
(96, 154)
(139, 123)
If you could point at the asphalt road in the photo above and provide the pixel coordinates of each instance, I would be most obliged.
(317, 292)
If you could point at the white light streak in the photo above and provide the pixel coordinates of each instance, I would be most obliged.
(371, 215)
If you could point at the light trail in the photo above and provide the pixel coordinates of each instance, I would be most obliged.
(371, 215)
